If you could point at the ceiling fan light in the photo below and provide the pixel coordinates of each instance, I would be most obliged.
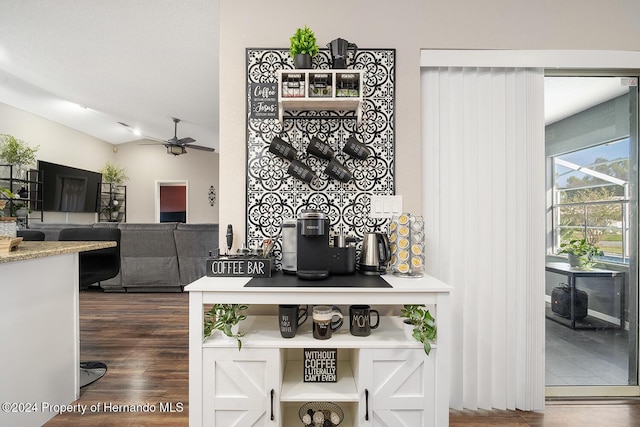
(176, 150)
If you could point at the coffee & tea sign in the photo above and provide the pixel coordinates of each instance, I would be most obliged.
(320, 365)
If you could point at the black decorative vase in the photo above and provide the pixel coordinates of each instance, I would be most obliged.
(302, 61)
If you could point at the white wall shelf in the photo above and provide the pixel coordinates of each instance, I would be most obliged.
(341, 91)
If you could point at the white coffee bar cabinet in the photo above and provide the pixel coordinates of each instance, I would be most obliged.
(384, 379)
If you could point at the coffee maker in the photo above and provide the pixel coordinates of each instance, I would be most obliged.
(339, 49)
(313, 245)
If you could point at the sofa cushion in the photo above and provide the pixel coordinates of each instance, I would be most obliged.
(52, 230)
(149, 257)
(193, 243)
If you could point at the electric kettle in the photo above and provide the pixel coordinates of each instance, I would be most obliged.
(339, 49)
(375, 254)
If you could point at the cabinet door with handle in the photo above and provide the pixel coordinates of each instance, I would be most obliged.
(396, 388)
(242, 387)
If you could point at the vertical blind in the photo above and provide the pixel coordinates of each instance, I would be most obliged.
(483, 204)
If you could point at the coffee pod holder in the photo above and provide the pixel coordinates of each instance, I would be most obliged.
(406, 238)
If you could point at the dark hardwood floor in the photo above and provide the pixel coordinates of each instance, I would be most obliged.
(143, 339)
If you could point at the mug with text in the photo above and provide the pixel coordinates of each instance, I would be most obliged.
(326, 319)
(360, 320)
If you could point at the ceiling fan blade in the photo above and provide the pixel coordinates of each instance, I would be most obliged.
(186, 140)
(200, 147)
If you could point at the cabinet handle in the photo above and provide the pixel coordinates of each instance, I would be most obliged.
(366, 404)
(272, 395)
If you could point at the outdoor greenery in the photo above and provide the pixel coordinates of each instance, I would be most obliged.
(223, 317)
(591, 208)
(424, 325)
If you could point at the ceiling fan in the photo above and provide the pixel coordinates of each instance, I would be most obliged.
(174, 145)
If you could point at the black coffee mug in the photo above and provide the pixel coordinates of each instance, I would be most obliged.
(282, 149)
(320, 149)
(326, 319)
(356, 149)
(290, 318)
(336, 170)
(360, 320)
(300, 171)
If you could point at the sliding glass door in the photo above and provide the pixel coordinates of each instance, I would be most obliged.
(591, 147)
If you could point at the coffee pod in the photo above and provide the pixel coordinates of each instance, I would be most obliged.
(300, 171)
(320, 149)
(282, 149)
(356, 149)
(336, 170)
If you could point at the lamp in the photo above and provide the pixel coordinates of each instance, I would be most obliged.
(176, 150)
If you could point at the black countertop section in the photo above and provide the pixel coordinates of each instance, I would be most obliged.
(356, 280)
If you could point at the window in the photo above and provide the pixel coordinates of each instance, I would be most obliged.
(591, 198)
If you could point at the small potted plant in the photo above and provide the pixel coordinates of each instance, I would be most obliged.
(581, 253)
(16, 152)
(303, 47)
(113, 174)
(225, 318)
(421, 323)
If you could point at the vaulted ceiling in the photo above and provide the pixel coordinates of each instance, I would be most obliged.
(91, 64)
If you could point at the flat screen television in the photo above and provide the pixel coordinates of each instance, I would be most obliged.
(67, 189)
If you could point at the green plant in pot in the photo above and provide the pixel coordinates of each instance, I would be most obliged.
(225, 317)
(303, 47)
(113, 174)
(581, 253)
(423, 323)
(16, 152)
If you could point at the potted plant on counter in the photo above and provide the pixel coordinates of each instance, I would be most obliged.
(225, 318)
(421, 323)
(303, 47)
(581, 253)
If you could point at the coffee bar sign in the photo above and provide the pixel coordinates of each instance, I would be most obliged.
(263, 100)
(241, 267)
(320, 365)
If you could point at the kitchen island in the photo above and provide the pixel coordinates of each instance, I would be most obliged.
(384, 377)
(39, 329)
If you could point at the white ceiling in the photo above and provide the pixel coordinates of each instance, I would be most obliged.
(140, 62)
(565, 96)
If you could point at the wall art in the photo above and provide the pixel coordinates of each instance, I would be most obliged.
(273, 194)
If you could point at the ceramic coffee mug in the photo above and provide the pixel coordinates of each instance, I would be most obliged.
(290, 318)
(300, 171)
(320, 149)
(282, 149)
(336, 170)
(356, 149)
(360, 320)
(325, 322)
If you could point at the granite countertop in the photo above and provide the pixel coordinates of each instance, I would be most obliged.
(31, 250)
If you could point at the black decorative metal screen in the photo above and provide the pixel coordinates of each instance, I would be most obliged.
(273, 195)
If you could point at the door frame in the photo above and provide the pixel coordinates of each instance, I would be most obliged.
(169, 182)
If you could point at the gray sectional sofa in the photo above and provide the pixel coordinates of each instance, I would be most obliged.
(154, 257)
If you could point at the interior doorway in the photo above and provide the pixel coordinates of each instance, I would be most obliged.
(591, 147)
(172, 201)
